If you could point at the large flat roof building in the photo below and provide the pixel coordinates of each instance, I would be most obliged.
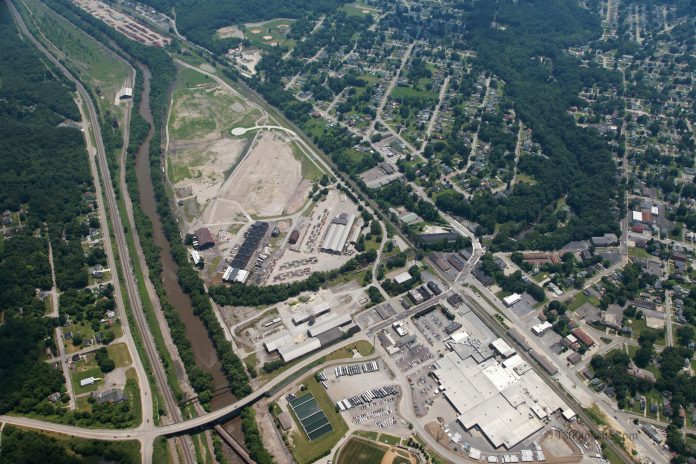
(327, 323)
(337, 235)
(507, 401)
(288, 353)
(305, 315)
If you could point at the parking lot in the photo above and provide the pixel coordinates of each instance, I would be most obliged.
(423, 389)
(432, 326)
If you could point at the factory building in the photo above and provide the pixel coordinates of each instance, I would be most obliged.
(328, 323)
(290, 352)
(507, 401)
(252, 238)
(337, 236)
(203, 239)
(294, 237)
(304, 316)
(233, 274)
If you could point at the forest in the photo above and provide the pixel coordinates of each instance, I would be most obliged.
(21, 446)
(43, 176)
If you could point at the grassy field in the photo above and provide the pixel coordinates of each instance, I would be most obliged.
(389, 439)
(400, 92)
(356, 9)
(93, 63)
(365, 348)
(310, 171)
(361, 451)
(580, 299)
(119, 353)
(638, 253)
(273, 31)
(201, 107)
(305, 451)
(596, 414)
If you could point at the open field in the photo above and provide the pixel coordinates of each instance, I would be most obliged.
(356, 9)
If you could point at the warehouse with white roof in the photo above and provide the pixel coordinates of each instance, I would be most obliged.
(506, 400)
(337, 235)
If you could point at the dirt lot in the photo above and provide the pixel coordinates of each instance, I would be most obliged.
(268, 180)
(230, 31)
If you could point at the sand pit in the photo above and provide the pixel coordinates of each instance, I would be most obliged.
(267, 180)
(229, 32)
(267, 37)
(256, 31)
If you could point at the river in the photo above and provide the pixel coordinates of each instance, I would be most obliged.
(203, 349)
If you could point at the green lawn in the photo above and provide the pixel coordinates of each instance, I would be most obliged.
(310, 171)
(90, 372)
(364, 347)
(409, 92)
(638, 253)
(580, 299)
(366, 434)
(389, 439)
(356, 9)
(119, 353)
(305, 451)
(360, 451)
(265, 34)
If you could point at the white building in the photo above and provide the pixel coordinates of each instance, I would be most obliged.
(233, 274)
(540, 329)
(337, 235)
(512, 299)
(403, 278)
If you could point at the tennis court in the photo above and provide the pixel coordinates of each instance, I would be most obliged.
(313, 420)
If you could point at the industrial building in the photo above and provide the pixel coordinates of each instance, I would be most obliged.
(290, 352)
(541, 328)
(507, 401)
(403, 278)
(233, 274)
(305, 315)
(337, 235)
(294, 236)
(109, 396)
(252, 238)
(502, 348)
(203, 239)
(328, 323)
(276, 341)
(195, 257)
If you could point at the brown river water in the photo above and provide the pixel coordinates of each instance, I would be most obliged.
(203, 349)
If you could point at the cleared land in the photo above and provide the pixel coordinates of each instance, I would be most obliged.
(268, 182)
(201, 151)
